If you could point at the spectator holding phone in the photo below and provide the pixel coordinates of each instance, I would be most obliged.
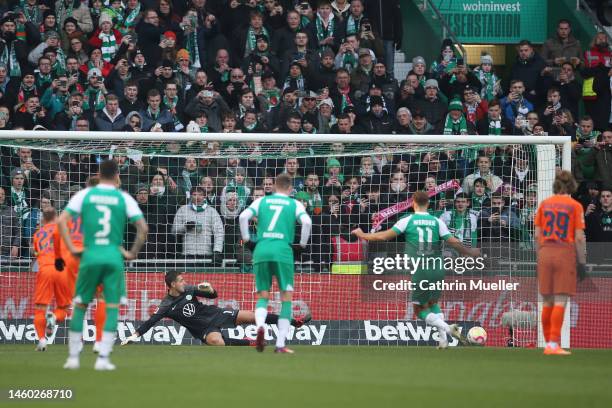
(55, 96)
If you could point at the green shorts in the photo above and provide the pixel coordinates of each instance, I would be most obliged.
(110, 275)
(264, 271)
(425, 295)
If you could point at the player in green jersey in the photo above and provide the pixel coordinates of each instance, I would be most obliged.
(104, 212)
(273, 256)
(424, 235)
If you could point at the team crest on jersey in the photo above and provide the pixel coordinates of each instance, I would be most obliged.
(188, 297)
(189, 310)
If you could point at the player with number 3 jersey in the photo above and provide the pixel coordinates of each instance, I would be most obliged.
(104, 212)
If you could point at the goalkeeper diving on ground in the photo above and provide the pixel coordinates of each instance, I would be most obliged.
(204, 322)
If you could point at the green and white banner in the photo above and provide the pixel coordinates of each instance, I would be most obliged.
(495, 21)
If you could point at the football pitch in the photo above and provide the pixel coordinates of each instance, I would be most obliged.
(338, 376)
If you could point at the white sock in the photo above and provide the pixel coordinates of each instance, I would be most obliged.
(283, 330)
(442, 333)
(434, 320)
(260, 316)
(106, 345)
(75, 344)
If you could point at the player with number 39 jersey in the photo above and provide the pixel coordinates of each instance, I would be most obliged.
(559, 232)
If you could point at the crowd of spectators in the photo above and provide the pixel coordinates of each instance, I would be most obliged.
(261, 66)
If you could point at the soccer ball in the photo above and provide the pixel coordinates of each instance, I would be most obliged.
(477, 335)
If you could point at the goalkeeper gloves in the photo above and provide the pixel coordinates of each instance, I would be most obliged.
(298, 250)
(59, 264)
(206, 287)
(581, 271)
(132, 339)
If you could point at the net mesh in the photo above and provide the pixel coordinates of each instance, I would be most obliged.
(343, 186)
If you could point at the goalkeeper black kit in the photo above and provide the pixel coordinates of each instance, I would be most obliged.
(198, 318)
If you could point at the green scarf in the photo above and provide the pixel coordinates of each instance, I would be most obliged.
(199, 208)
(455, 128)
(495, 127)
(352, 25)
(349, 62)
(98, 97)
(204, 129)
(20, 203)
(488, 80)
(323, 33)
(461, 228)
(194, 52)
(32, 15)
(240, 190)
(129, 21)
(477, 201)
(42, 80)
(251, 43)
(60, 14)
(9, 58)
(109, 45)
(272, 97)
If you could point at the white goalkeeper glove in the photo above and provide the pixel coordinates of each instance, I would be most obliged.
(132, 339)
(206, 287)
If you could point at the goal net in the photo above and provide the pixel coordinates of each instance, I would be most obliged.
(485, 189)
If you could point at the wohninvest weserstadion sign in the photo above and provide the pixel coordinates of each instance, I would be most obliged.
(493, 21)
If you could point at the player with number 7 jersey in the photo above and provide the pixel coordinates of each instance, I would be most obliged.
(273, 255)
(104, 211)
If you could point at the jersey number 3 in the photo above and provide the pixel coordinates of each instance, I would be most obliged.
(104, 221)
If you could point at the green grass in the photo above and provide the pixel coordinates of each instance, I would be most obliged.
(156, 376)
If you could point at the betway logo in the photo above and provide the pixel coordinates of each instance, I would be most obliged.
(402, 331)
(312, 333)
(493, 6)
(20, 332)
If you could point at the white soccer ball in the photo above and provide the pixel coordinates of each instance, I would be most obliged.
(477, 335)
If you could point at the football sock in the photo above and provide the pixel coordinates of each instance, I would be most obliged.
(106, 346)
(75, 344)
(271, 318)
(442, 333)
(236, 342)
(284, 322)
(261, 312)
(76, 323)
(112, 316)
(546, 316)
(434, 320)
(556, 322)
(40, 322)
(60, 314)
(100, 317)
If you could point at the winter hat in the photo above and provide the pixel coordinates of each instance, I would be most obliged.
(170, 35)
(376, 100)
(327, 102)
(455, 104)
(182, 54)
(141, 187)
(486, 59)
(431, 83)
(418, 60)
(333, 163)
(105, 18)
(94, 72)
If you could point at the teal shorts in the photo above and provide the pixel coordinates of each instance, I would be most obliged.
(264, 271)
(110, 275)
(424, 296)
